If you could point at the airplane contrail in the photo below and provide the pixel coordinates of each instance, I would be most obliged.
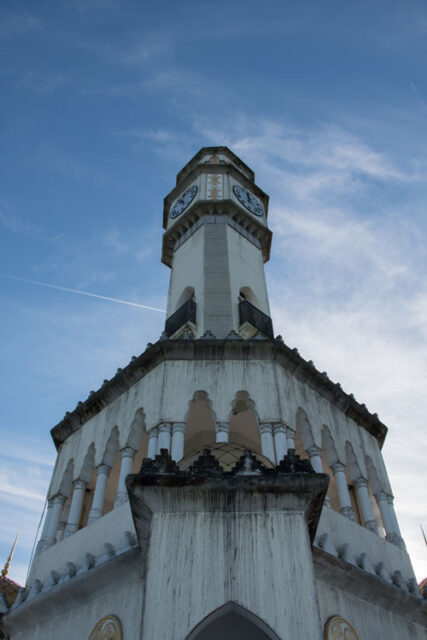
(82, 293)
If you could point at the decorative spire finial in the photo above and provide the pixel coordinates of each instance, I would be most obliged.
(7, 565)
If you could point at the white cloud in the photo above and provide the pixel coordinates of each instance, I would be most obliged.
(15, 224)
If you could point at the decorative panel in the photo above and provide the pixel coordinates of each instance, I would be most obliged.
(214, 184)
(337, 628)
(109, 628)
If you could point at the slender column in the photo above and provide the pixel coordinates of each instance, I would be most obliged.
(338, 470)
(178, 432)
(222, 431)
(164, 440)
(125, 469)
(41, 542)
(152, 443)
(280, 441)
(315, 454)
(290, 433)
(76, 507)
(267, 446)
(365, 504)
(396, 527)
(63, 520)
(103, 471)
(58, 505)
(389, 518)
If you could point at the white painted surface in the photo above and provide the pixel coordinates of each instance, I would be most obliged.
(369, 621)
(209, 558)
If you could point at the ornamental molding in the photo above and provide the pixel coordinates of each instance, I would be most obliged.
(337, 628)
(108, 628)
(216, 349)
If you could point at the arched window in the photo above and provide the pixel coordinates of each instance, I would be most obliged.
(246, 293)
(230, 622)
(185, 295)
(244, 422)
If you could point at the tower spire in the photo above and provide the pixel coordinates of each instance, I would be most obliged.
(7, 565)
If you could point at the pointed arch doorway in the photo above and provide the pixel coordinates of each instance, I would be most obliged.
(232, 621)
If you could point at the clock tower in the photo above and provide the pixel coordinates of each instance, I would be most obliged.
(216, 242)
(219, 485)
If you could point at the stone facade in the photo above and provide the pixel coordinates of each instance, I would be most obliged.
(219, 485)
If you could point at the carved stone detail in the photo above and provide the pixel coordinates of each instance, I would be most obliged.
(206, 465)
(292, 463)
(162, 463)
(247, 465)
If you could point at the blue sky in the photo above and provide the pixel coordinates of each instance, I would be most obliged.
(102, 102)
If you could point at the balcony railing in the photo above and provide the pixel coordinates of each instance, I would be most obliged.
(255, 317)
(186, 313)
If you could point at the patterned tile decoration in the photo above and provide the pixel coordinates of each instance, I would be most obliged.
(339, 629)
(214, 190)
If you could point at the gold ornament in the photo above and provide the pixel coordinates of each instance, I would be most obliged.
(108, 628)
(337, 628)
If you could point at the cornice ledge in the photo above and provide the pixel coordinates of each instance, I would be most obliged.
(203, 349)
(369, 587)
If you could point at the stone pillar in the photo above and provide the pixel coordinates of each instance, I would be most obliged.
(76, 507)
(315, 454)
(290, 434)
(164, 439)
(178, 433)
(125, 469)
(63, 520)
(51, 522)
(222, 429)
(152, 443)
(389, 518)
(396, 527)
(103, 471)
(58, 505)
(41, 542)
(266, 432)
(280, 441)
(361, 486)
(346, 509)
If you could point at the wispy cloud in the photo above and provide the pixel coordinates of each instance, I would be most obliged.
(14, 223)
(82, 293)
(14, 23)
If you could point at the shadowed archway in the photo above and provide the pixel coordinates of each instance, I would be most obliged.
(232, 621)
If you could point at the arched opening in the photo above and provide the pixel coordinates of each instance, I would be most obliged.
(230, 622)
(246, 293)
(88, 475)
(200, 422)
(187, 294)
(353, 473)
(112, 458)
(303, 434)
(65, 489)
(112, 483)
(374, 486)
(329, 458)
(138, 440)
(244, 422)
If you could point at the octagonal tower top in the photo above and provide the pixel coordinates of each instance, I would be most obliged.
(215, 182)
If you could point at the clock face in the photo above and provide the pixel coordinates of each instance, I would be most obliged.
(248, 200)
(182, 203)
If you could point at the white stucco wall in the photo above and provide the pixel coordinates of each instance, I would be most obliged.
(211, 558)
(246, 270)
(369, 621)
